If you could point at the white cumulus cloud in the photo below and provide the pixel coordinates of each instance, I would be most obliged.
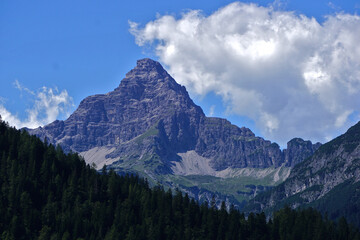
(48, 104)
(294, 76)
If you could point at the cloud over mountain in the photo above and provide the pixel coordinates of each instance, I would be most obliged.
(289, 73)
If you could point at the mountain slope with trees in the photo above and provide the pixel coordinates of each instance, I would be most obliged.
(328, 181)
(47, 194)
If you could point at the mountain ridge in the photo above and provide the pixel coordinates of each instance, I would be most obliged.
(150, 126)
(149, 96)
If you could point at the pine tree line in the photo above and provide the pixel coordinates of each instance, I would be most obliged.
(47, 194)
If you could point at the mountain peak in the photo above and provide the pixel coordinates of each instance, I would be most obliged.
(149, 99)
(147, 69)
(147, 62)
(149, 79)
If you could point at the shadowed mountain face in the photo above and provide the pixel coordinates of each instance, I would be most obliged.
(329, 181)
(149, 114)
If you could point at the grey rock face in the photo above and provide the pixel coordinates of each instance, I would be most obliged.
(145, 96)
(297, 150)
(149, 113)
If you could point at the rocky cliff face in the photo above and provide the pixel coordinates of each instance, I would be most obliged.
(145, 96)
(333, 172)
(150, 114)
(297, 150)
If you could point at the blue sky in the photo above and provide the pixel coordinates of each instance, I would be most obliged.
(55, 53)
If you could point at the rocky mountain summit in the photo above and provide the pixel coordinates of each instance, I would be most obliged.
(149, 113)
(150, 126)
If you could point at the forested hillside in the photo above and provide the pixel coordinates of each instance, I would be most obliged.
(47, 194)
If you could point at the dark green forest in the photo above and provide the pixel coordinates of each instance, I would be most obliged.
(47, 194)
